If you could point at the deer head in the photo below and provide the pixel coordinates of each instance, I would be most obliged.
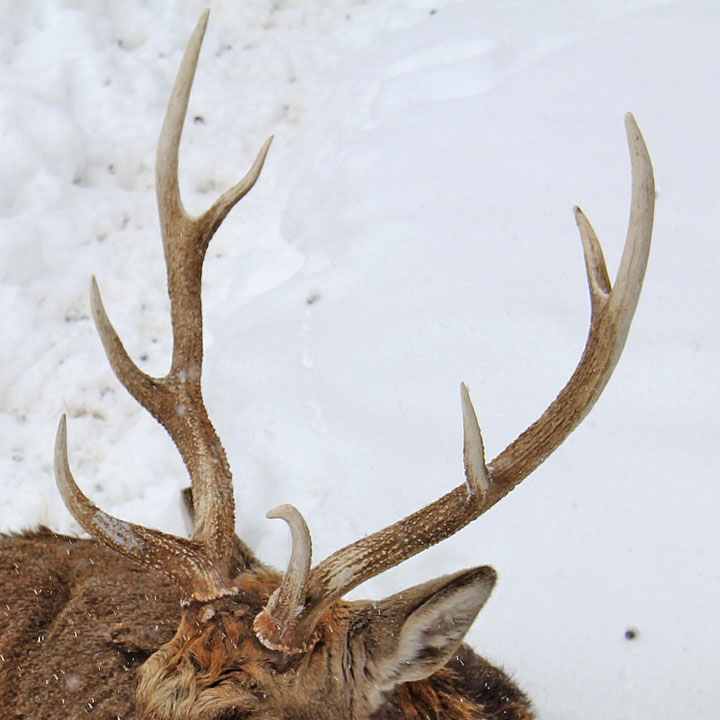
(257, 643)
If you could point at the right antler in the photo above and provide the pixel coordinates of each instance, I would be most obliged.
(201, 566)
(291, 628)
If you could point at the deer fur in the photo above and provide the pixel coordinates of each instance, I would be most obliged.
(84, 630)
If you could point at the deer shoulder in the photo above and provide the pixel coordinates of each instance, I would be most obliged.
(76, 621)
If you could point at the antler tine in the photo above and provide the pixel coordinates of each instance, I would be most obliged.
(194, 575)
(612, 312)
(476, 474)
(175, 400)
(275, 625)
(170, 204)
(636, 252)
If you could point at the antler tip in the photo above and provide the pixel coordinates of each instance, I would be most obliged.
(262, 154)
(298, 527)
(476, 474)
(61, 435)
(467, 407)
(63, 476)
(630, 123)
(281, 512)
(102, 322)
(94, 293)
(203, 20)
(595, 266)
(639, 154)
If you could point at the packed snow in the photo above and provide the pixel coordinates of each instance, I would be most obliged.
(412, 229)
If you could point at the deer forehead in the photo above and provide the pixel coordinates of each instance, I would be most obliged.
(215, 664)
(216, 639)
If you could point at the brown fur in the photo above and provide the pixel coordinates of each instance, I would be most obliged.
(76, 621)
(467, 688)
(82, 629)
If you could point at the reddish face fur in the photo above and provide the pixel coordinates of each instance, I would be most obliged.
(216, 669)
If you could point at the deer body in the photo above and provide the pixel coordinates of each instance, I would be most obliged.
(79, 622)
(76, 621)
(140, 624)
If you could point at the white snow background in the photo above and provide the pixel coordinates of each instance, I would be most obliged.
(412, 229)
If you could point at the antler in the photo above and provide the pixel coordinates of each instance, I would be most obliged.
(612, 310)
(201, 567)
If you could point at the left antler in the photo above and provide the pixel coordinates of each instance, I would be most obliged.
(201, 567)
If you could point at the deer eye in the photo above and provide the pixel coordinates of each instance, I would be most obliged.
(235, 677)
(233, 714)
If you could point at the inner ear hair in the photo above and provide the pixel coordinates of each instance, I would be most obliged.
(415, 632)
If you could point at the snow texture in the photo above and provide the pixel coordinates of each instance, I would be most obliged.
(412, 229)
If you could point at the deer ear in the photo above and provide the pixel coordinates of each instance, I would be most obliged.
(411, 635)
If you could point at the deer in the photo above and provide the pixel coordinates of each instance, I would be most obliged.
(134, 623)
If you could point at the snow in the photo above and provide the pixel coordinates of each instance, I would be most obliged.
(412, 229)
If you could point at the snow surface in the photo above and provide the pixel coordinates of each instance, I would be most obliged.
(412, 229)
